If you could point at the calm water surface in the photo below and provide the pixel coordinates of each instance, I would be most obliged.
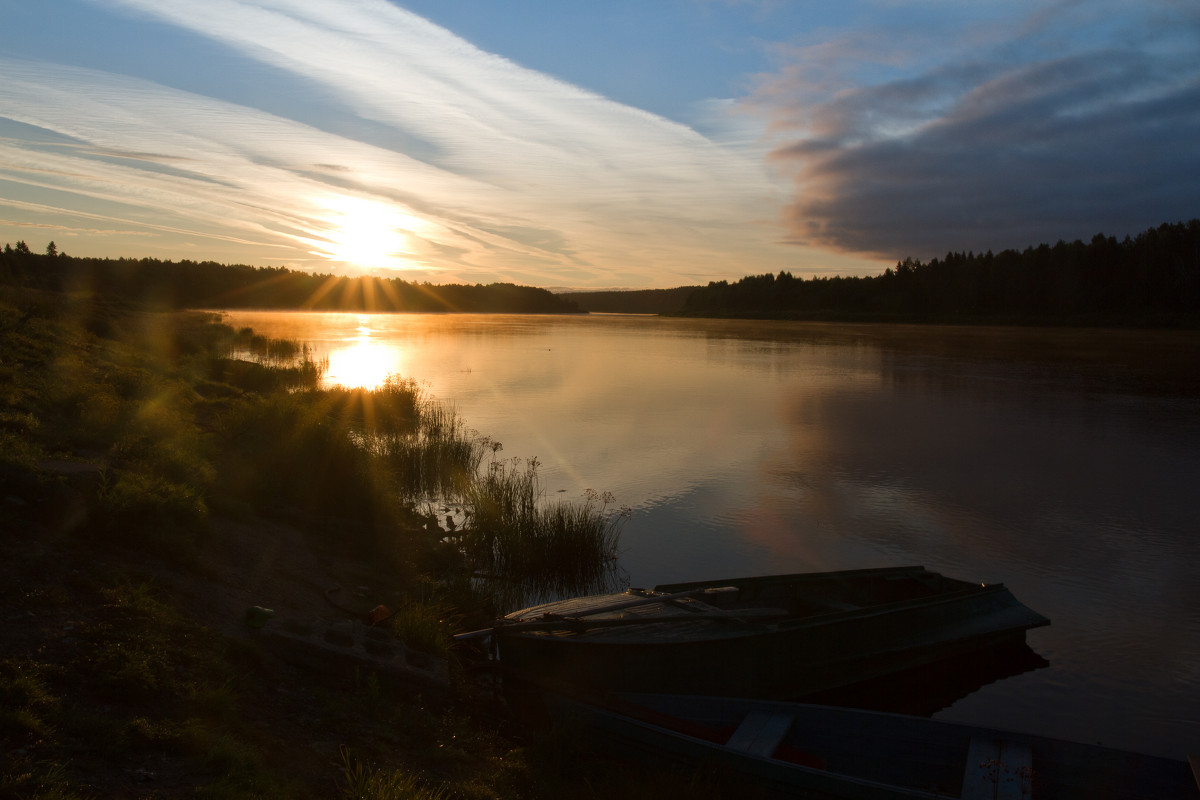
(1065, 464)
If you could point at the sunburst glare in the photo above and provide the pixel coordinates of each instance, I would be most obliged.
(367, 363)
(367, 234)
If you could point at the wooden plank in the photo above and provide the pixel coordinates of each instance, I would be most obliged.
(761, 732)
(997, 770)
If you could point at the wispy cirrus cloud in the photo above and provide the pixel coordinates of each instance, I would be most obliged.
(483, 170)
(1070, 120)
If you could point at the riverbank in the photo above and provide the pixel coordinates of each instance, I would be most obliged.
(130, 675)
(156, 495)
(135, 541)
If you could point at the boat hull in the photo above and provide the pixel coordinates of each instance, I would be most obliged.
(783, 659)
(846, 753)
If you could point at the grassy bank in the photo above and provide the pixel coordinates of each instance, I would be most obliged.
(152, 481)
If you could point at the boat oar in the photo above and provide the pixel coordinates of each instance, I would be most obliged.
(644, 600)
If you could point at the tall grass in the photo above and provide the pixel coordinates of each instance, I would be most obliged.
(363, 453)
(531, 549)
(423, 442)
(271, 352)
(362, 460)
(255, 363)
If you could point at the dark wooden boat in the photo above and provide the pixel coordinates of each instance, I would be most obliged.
(793, 749)
(776, 636)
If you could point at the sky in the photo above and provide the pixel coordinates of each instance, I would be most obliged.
(604, 144)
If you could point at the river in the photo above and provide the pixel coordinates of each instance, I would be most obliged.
(1063, 463)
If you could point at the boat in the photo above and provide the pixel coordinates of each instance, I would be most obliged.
(796, 749)
(779, 636)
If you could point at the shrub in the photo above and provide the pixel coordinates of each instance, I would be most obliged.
(150, 510)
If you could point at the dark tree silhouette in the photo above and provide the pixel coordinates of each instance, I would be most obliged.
(1151, 279)
(207, 284)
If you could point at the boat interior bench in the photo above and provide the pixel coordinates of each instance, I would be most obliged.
(998, 770)
(761, 732)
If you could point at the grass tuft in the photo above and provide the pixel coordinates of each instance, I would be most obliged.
(427, 626)
(363, 782)
(27, 704)
(41, 781)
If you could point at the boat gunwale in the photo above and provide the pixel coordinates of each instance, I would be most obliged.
(813, 577)
(593, 628)
(789, 578)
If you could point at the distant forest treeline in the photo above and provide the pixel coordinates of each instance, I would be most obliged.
(1150, 279)
(632, 301)
(207, 284)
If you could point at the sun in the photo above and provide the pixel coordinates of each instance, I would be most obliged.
(367, 234)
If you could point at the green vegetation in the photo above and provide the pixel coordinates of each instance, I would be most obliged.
(131, 683)
(175, 428)
(147, 460)
(1152, 280)
(363, 782)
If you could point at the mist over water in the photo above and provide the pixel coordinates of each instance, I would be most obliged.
(1062, 463)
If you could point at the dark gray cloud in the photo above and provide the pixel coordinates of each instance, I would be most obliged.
(1051, 134)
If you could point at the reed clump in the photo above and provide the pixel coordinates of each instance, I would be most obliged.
(521, 541)
(427, 447)
(255, 363)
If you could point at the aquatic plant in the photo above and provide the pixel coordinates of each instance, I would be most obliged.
(530, 548)
(266, 365)
(423, 442)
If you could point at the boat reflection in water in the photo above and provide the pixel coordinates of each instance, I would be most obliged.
(921, 691)
(930, 688)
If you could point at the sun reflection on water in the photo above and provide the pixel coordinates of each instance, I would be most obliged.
(364, 326)
(366, 363)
